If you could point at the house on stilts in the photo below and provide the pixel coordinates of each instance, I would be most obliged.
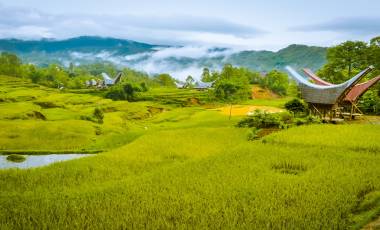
(325, 99)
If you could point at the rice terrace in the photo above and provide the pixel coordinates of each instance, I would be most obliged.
(200, 121)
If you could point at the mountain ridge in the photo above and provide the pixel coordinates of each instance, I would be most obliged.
(159, 58)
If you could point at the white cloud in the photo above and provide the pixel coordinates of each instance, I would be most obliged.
(180, 62)
(352, 25)
(174, 29)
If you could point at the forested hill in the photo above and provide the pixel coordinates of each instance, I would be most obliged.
(86, 49)
(79, 44)
(296, 55)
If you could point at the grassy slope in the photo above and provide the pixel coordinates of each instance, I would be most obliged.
(194, 168)
(66, 127)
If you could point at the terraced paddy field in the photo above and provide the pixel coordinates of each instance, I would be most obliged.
(181, 168)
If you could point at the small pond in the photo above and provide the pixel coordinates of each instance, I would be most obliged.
(32, 161)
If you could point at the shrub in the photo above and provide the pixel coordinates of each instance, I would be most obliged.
(296, 106)
(266, 120)
(87, 118)
(98, 114)
(263, 120)
(307, 120)
(253, 134)
(116, 93)
(126, 91)
(98, 131)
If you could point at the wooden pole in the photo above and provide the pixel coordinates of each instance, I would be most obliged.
(230, 111)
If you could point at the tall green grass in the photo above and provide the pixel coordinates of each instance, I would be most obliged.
(201, 178)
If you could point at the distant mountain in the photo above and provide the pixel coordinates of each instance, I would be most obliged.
(79, 44)
(178, 61)
(298, 56)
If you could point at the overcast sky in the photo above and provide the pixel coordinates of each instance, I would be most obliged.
(245, 24)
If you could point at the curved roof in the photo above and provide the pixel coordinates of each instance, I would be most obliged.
(325, 94)
(356, 91)
(109, 81)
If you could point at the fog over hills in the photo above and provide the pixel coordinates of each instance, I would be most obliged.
(179, 61)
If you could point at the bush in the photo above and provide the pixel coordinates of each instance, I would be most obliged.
(253, 134)
(116, 93)
(266, 120)
(307, 120)
(98, 114)
(263, 120)
(296, 106)
(126, 91)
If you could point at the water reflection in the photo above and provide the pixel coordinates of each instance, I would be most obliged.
(38, 160)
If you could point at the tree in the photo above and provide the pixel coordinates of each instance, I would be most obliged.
(165, 80)
(206, 76)
(374, 54)
(276, 81)
(375, 41)
(231, 86)
(254, 77)
(344, 60)
(190, 81)
(10, 64)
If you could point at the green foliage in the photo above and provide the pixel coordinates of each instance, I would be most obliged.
(296, 106)
(98, 114)
(189, 82)
(253, 134)
(10, 64)
(206, 76)
(254, 77)
(370, 102)
(261, 120)
(348, 56)
(165, 80)
(297, 56)
(276, 81)
(306, 120)
(264, 120)
(231, 85)
(125, 91)
(347, 59)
